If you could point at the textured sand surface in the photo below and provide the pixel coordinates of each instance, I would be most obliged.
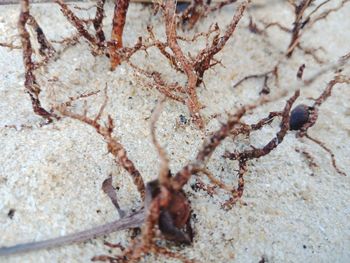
(52, 175)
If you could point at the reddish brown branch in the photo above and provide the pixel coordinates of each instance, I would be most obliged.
(298, 24)
(30, 82)
(272, 144)
(46, 49)
(114, 146)
(78, 24)
(119, 18)
(98, 25)
(170, 28)
(319, 101)
(204, 58)
(209, 146)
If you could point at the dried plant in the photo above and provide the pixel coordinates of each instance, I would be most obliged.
(165, 211)
(166, 206)
(193, 68)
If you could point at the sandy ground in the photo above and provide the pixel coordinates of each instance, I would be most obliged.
(52, 175)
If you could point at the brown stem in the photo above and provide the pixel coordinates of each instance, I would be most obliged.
(30, 82)
(98, 21)
(299, 12)
(170, 29)
(119, 18)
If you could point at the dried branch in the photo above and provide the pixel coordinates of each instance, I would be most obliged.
(30, 82)
(98, 25)
(169, 90)
(11, 46)
(318, 102)
(321, 144)
(272, 144)
(313, 116)
(119, 18)
(204, 58)
(46, 49)
(79, 26)
(114, 147)
(301, 22)
(193, 68)
(298, 25)
(209, 146)
(265, 89)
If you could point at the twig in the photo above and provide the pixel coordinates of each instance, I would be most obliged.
(114, 147)
(30, 82)
(319, 101)
(130, 221)
(78, 24)
(323, 146)
(119, 18)
(98, 25)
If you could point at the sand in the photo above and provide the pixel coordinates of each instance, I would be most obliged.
(51, 175)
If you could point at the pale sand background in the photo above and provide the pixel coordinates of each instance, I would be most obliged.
(52, 175)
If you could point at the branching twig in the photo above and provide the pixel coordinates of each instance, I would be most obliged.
(265, 76)
(323, 146)
(114, 147)
(318, 102)
(98, 25)
(78, 24)
(119, 18)
(30, 82)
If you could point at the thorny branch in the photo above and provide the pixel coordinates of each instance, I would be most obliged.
(298, 25)
(319, 101)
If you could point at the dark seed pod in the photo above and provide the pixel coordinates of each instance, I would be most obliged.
(174, 217)
(299, 116)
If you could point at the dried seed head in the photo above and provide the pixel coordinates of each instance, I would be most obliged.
(299, 117)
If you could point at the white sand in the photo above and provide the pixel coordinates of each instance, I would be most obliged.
(52, 175)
